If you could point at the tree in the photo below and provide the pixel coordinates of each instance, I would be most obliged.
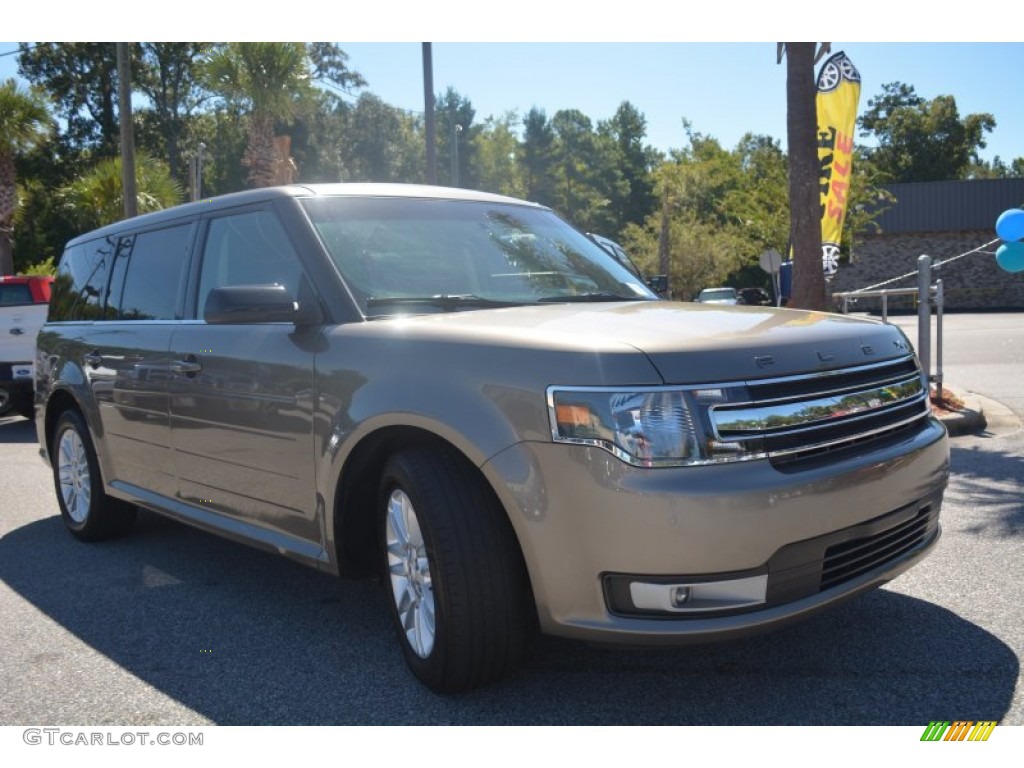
(495, 154)
(268, 79)
(700, 235)
(97, 197)
(577, 196)
(81, 78)
(537, 157)
(922, 140)
(274, 82)
(167, 74)
(24, 123)
(804, 199)
(631, 192)
(380, 143)
(455, 115)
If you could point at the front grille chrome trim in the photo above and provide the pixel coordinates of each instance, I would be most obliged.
(815, 447)
(731, 423)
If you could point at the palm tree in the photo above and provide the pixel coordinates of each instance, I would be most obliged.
(97, 197)
(804, 202)
(268, 78)
(24, 122)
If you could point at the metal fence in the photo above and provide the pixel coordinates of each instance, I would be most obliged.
(928, 295)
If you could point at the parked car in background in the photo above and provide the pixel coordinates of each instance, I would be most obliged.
(718, 296)
(23, 302)
(461, 394)
(755, 297)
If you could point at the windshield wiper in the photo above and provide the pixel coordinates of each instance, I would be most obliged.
(444, 301)
(584, 297)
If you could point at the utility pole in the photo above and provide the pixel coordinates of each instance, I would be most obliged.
(456, 130)
(428, 112)
(124, 90)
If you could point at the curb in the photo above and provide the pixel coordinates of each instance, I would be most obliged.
(979, 415)
(967, 421)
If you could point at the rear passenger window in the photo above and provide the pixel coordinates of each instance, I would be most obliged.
(247, 249)
(81, 283)
(155, 274)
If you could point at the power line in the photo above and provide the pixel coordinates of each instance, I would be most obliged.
(17, 51)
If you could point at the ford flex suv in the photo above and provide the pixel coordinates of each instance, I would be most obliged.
(464, 396)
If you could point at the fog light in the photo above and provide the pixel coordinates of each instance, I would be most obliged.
(679, 596)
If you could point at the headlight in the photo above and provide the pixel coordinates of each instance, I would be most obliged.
(646, 427)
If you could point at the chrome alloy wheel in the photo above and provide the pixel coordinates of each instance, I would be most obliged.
(75, 479)
(410, 574)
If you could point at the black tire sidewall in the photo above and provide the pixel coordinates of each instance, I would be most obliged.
(398, 474)
(71, 421)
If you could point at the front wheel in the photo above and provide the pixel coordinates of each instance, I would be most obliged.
(87, 511)
(453, 571)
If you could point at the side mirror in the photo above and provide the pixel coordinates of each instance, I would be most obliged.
(258, 304)
(658, 284)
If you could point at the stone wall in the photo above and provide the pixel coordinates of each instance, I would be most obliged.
(973, 282)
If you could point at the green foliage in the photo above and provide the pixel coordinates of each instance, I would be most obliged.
(537, 157)
(630, 186)
(380, 143)
(496, 157)
(81, 78)
(454, 119)
(24, 117)
(45, 267)
(96, 198)
(919, 139)
(717, 212)
(266, 78)
(168, 75)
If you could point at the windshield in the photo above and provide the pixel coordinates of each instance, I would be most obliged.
(406, 255)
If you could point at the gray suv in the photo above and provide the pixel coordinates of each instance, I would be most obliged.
(463, 395)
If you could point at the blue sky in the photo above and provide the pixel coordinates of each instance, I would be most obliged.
(723, 88)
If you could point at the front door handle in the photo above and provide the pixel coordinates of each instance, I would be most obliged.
(189, 366)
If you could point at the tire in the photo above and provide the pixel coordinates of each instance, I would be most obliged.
(88, 512)
(6, 403)
(25, 406)
(453, 571)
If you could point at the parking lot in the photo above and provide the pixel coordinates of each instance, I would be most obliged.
(173, 626)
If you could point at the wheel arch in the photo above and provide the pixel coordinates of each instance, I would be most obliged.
(353, 528)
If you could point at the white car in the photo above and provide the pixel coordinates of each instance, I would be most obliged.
(23, 305)
(718, 296)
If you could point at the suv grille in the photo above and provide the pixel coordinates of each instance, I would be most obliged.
(801, 416)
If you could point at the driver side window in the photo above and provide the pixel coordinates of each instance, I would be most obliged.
(247, 249)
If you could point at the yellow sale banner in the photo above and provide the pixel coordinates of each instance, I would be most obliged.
(837, 99)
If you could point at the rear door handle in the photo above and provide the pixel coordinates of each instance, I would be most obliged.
(189, 366)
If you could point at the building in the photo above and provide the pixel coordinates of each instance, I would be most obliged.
(942, 219)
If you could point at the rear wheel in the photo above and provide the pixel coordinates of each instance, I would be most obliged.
(87, 511)
(453, 571)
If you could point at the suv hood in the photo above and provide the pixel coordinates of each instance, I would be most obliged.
(687, 343)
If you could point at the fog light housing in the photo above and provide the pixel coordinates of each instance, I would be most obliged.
(678, 596)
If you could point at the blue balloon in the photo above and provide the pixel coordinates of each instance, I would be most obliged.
(1010, 257)
(1010, 225)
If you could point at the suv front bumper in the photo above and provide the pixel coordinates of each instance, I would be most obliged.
(814, 532)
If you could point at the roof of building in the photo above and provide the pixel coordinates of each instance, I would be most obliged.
(950, 206)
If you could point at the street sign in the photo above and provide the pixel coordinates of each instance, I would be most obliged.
(771, 262)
